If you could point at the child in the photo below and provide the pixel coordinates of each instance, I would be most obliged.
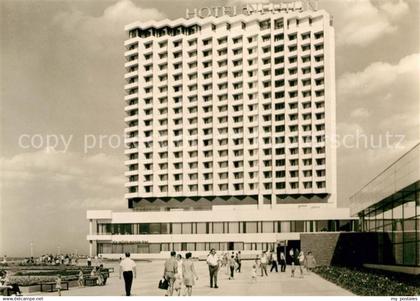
(58, 284)
(178, 284)
(81, 278)
(254, 273)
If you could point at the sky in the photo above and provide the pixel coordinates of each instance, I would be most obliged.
(62, 75)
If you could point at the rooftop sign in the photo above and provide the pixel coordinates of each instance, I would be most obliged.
(257, 8)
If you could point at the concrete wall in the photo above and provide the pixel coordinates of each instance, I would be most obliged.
(348, 249)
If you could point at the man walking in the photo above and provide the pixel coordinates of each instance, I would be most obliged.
(273, 262)
(239, 261)
(282, 262)
(213, 263)
(128, 271)
(264, 264)
(171, 269)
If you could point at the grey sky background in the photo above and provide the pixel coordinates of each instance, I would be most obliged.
(61, 65)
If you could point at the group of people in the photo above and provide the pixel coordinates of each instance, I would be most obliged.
(50, 259)
(180, 274)
(7, 284)
(232, 263)
(296, 258)
(261, 263)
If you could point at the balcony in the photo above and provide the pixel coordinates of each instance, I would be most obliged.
(131, 173)
(131, 52)
(129, 151)
(130, 41)
(131, 74)
(131, 184)
(129, 97)
(131, 129)
(131, 118)
(131, 140)
(131, 63)
(130, 107)
(132, 161)
(131, 195)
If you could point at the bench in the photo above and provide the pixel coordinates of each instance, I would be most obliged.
(5, 290)
(50, 286)
(90, 281)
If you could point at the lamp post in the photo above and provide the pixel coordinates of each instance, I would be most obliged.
(32, 248)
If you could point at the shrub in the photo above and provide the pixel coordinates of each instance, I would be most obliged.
(366, 282)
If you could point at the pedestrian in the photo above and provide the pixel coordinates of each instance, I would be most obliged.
(225, 263)
(58, 284)
(179, 261)
(239, 261)
(81, 278)
(169, 272)
(105, 274)
(213, 263)
(93, 273)
(282, 262)
(310, 261)
(232, 264)
(188, 273)
(128, 271)
(254, 273)
(264, 264)
(278, 251)
(301, 259)
(177, 284)
(100, 280)
(89, 261)
(292, 256)
(273, 264)
(258, 262)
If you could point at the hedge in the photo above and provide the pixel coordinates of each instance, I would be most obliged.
(364, 282)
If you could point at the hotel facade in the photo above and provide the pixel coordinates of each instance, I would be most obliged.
(229, 127)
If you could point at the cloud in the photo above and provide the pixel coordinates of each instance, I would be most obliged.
(45, 195)
(88, 175)
(360, 113)
(377, 110)
(98, 32)
(394, 9)
(69, 175)
(362, 23)
(377, 76)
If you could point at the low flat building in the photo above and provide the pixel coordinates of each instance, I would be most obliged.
(390, 204)
(224, 228)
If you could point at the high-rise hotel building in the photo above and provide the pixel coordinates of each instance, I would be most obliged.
(229, 126)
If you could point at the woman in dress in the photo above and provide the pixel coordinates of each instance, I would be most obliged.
(310, 261)
(189, 273)
(58, 284)
(179, 262)
(301, 259)
(81, 278)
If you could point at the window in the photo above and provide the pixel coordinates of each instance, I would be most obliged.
(250, 227)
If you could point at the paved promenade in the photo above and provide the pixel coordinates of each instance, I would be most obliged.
(276, 284)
